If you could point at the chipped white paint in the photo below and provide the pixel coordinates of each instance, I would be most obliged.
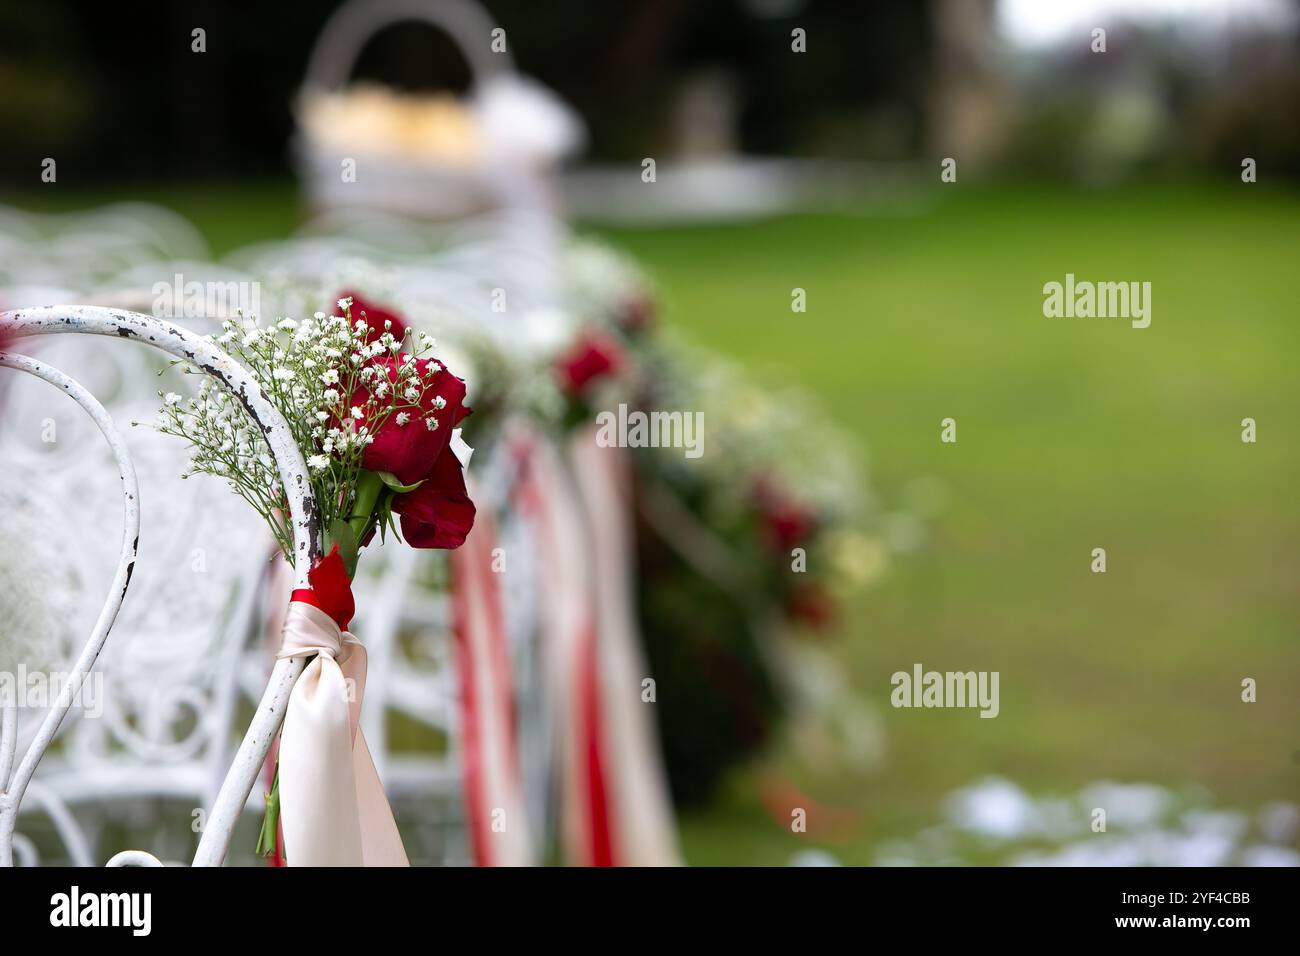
(210, 359)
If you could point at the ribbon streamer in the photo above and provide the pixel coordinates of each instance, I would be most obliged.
(615, 808)
(640, 810)
(568, 633)
(332, 805)
(495, 807)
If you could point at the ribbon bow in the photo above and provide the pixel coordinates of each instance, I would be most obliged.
(332, 805)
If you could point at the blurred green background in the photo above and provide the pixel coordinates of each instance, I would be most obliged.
(924, 302)
(1072, 434)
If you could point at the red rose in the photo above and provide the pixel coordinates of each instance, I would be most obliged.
(812, 605)
(375, 316)
(593, 355)
(786, 522)
(411, 450)
(438, 514)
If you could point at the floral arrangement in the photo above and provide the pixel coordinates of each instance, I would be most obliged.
(374, 415)
(760, 538)
(782, 488)
(777, 480)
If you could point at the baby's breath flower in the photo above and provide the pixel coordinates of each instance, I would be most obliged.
(309, 369)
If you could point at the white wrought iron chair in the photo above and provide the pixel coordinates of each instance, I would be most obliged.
(169, 697)
(232, 796)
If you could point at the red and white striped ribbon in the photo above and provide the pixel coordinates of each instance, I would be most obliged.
(640, 808)
(494, 799)
(614, 804)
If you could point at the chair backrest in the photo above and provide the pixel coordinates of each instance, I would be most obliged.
(179, 343)
(193, 593)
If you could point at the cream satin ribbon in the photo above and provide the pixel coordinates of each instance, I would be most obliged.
(642, 823)
(332, 805)
(494, 791)
(577, 500)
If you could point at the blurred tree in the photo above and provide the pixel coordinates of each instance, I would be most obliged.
(115, 91)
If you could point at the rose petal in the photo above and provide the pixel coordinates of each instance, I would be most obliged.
(409, 451)
(375, 316)
(438, 514)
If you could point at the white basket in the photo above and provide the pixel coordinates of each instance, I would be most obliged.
(522, 129)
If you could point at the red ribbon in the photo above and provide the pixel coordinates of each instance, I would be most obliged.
(331, 589)
(601, 843)
(482, 647)
(591, 792)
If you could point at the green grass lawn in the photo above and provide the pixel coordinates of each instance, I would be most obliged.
(1072, 434)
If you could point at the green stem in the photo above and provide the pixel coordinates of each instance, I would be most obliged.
(369, 486)
(271, 819)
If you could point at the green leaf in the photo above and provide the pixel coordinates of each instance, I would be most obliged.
(385, 517)
(390, 479)
(341, 534)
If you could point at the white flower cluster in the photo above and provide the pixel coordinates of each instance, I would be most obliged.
(335, 380)
(759, 429)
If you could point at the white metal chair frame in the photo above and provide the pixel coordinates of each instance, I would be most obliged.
(170, 687)
(207, 357)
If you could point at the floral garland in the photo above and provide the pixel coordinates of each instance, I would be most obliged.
(760, 538)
